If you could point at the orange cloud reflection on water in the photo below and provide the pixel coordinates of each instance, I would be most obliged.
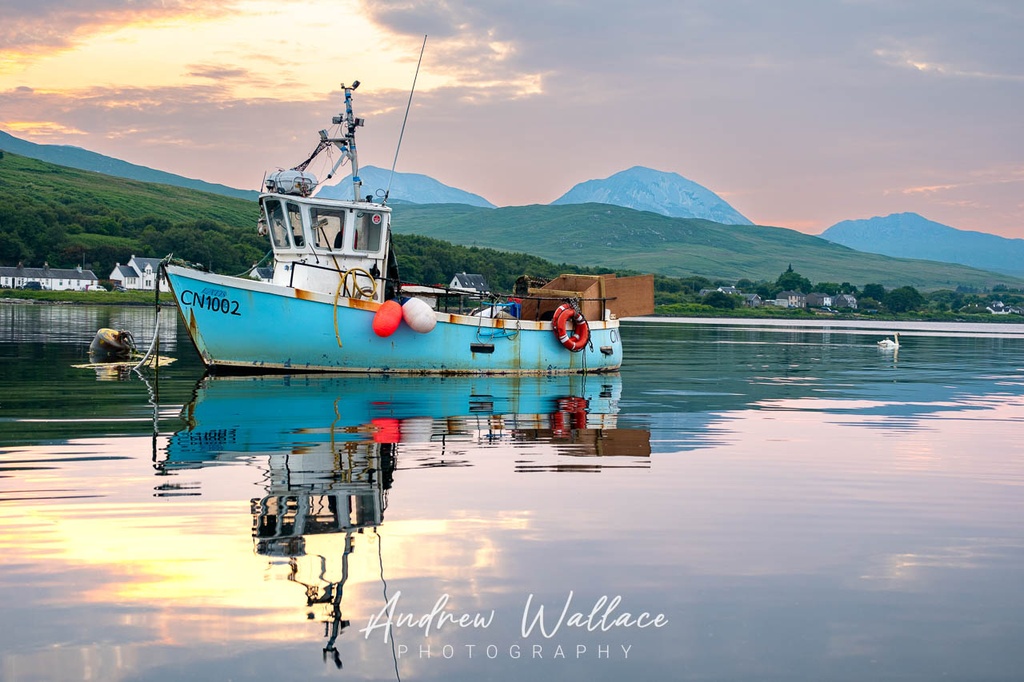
(180, 566)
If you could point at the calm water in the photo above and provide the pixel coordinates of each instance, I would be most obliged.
(743, 502)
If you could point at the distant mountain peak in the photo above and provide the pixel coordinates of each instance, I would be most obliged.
(413, 188)
(910, 235)
(647, 189)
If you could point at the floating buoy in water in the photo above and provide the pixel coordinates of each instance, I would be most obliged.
(419, 315)
(111, 345)
(387, 319)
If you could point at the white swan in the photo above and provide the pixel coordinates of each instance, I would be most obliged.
(890, 344)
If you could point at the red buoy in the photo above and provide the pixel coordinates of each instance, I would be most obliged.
(387, 319)
(386, 430)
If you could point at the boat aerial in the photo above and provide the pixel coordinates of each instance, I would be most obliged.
(336, 303)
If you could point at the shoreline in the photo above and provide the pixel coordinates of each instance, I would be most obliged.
(850, 326)
(94, 299)
(768, 317)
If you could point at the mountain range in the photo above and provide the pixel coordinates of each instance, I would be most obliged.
(405, 187)
(66, 214)
(909, 235)
(639, 188)
(905, 235)
(641, 241)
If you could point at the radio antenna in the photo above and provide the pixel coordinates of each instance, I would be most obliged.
(408, 106)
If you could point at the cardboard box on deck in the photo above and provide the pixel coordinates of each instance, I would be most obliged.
(623, 296)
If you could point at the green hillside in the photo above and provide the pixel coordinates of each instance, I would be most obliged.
(646, 242)
(69, 217)
(65, 216)
(34, 180)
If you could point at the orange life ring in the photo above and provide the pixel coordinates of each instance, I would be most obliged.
(576, 341)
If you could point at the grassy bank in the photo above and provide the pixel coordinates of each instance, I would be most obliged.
(672, 310)
(85, 297)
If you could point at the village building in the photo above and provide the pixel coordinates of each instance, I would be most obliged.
(999, 308)
(138, 274)
(470, 282)
(261, 273)
(791, 299)
(50, 279)
(752, 301)
(844, 301)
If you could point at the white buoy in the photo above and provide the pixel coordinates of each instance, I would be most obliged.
(419, 315)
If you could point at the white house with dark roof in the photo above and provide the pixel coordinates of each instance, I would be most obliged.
(470, 282)
(262, 273)
(999, 308)
(138, 273)
(816, 299)
(732, 291)
(51, 279)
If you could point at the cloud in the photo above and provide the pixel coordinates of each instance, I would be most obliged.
(218, 73)
(918, 61)
(199, 131)
(805, 111)
(603, 43)
(929, 189)
(27, 26)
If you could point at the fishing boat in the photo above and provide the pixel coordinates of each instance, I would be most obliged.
(336, 303)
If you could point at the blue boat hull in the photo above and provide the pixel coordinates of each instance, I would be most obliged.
(236, 416)
(245, 324)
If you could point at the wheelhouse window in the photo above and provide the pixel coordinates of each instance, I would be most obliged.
(328, 227)
(369, 226)
(295, 218)
(276, 221)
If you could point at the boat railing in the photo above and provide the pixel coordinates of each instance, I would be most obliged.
(470, 301)
(343, 274)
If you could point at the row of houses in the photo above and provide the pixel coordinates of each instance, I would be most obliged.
(791, 299)
(54, 279)
(999, 308)
(141, 274)
(138, 273)
(815, 299)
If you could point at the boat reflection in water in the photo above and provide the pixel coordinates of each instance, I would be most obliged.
(331, 446)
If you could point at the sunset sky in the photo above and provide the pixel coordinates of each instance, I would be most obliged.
(800, 113)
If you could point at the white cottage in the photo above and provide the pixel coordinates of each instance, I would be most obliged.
(139, 273)
(470, 282)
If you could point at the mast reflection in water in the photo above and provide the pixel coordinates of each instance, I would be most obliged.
(331, 447)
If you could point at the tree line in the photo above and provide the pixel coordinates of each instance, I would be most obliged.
(870, 297)
(51, 214)
(65, 235)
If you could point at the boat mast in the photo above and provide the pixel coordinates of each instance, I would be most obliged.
(347, 143)
(401, 134)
